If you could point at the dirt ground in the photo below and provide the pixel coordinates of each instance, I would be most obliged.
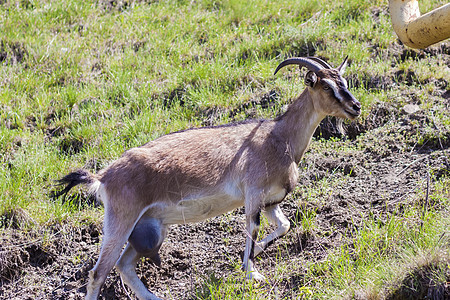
(387, 172)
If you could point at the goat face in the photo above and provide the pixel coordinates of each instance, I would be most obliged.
(331, 96)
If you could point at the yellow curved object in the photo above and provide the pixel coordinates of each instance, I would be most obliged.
(418, 31)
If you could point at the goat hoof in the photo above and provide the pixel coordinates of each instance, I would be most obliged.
(255, 275)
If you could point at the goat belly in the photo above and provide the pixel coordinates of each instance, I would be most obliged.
(196, 209)
(275, 196)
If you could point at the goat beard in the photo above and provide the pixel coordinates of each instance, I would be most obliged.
(340, 126)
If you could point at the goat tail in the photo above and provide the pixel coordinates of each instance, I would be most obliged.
(75, 178)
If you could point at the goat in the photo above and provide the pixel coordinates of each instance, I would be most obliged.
(192, 175)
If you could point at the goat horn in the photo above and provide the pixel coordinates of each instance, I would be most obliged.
(343, 65)
(320, 61)
(302, 62)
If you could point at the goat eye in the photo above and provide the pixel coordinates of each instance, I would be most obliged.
(326, 87)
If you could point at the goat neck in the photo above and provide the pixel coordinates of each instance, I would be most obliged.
(298, 123)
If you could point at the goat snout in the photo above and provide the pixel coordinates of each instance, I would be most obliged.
(354, 110)
(357, 106)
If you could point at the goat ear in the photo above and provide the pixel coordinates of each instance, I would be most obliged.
(310, 79)
(342, 67)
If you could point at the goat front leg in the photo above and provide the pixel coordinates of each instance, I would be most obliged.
(276, 217)
(252, 229)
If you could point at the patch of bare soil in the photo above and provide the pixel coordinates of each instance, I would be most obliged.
(387, 173)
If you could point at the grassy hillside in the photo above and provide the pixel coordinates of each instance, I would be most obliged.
(82, 81)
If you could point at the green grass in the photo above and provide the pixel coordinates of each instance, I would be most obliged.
(82, 81)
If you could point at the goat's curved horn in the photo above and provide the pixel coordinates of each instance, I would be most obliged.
(320, 61)
(302, 62)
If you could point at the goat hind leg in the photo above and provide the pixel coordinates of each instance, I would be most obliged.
(126, 266)
(145, 240)
(115, 235)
